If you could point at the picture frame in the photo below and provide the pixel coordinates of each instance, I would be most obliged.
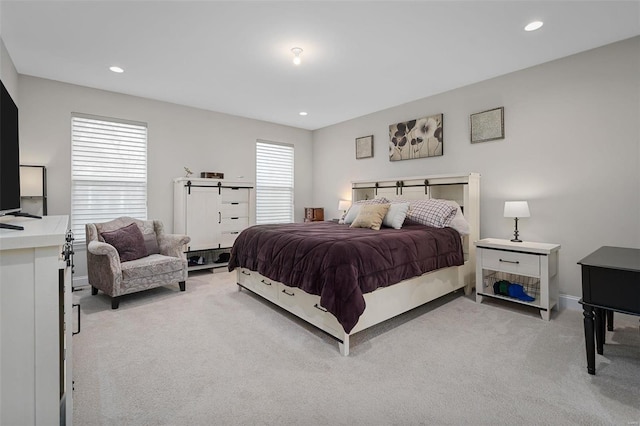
(364, 147)
(487, 125)
(419, 138)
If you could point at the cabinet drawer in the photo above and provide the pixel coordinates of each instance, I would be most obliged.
(234, 209)
(229, 195)
(260, 285)
(233, 223)
(228, 238)
(306, 306)
(515, 263)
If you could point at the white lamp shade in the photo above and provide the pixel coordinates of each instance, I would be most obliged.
(516, 209)
(31, 181)
(344, 205)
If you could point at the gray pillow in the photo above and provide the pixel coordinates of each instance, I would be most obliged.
(128, 241)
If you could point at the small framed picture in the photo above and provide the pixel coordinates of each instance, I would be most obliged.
(487, 125)
(364, 147)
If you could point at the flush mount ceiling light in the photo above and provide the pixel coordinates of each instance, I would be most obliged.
(296, 55)
(116, 69)
(303, 113)
(532, 26)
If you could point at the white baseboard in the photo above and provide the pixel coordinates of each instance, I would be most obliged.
(566, 301)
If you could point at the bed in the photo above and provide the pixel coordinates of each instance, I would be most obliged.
(343, 279)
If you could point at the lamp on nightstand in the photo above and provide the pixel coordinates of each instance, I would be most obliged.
(343, 205)
(516, 209)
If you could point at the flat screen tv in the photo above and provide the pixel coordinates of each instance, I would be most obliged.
(9, 155)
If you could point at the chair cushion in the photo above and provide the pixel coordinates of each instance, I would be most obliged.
(128, 241)
(150, 266)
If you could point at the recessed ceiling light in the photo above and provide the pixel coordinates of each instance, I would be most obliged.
(116, 69)
(532, 26)
(303, 113)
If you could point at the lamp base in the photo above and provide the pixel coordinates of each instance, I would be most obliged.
(515, 238)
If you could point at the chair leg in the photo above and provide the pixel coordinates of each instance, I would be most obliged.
(94, 290)
(183, 285)
(115, 302)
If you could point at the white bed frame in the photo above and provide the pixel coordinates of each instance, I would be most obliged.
(388, 302)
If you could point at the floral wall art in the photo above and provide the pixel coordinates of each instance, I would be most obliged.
(416, 138)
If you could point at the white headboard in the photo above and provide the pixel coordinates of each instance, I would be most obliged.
(461, 188)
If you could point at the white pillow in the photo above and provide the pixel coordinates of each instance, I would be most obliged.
(459, 223)
(395, 215)
(353, 211)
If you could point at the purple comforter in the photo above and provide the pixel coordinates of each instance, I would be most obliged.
(340, 263)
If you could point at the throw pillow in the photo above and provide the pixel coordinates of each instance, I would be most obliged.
(431, 212)
(395, 215)
(459, 223)
(128, 241)
(353, 211)
(370, 216)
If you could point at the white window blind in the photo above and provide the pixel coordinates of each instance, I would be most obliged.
(108, 171)
(274, 183)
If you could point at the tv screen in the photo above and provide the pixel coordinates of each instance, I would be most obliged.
(9, 154)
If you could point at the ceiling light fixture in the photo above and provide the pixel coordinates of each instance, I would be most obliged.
(532, 26)
(116, 69)
(296, 55)
(303, 113)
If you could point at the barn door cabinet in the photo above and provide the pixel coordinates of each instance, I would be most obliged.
(212, 212)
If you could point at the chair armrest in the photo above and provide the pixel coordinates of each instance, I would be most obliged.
(173, 245)
(100, 249)
(103, 267)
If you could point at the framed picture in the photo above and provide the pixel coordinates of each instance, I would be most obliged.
(418, 138)
(364, 147)
(487, 125)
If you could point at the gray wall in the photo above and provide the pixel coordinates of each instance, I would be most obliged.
(8, 73)
(571, 149)
(178, 136)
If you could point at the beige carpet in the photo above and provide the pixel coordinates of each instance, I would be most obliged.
(216, 356)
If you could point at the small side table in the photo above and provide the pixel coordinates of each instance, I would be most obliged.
(534, 265)
(313, 214)
(610, 282)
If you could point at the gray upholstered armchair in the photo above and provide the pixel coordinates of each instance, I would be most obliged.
(121, 260)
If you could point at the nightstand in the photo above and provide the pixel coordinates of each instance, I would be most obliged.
(534, 265)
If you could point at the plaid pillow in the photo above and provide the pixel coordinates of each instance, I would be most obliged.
(435, 213)
(353, 211)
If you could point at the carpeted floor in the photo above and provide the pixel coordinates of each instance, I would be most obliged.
(216, 356)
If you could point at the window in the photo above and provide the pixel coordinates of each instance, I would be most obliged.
(108, 171)
(274, 183)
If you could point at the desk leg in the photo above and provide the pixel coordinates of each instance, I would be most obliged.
(610, 320)
(588, 338)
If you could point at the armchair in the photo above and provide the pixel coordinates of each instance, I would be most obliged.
(157, 259)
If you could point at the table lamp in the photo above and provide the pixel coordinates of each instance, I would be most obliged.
(516, 209)
(343, 205)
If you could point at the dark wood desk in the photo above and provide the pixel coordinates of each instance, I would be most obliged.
(610, 282)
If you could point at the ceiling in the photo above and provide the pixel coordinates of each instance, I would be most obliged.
(359, 56)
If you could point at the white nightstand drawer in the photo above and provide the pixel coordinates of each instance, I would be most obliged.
(516, 263)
